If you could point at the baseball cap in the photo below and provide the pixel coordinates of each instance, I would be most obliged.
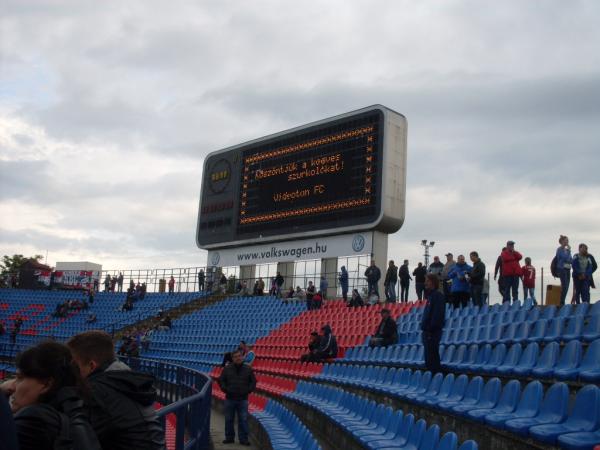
(449, 254)
(510, 243)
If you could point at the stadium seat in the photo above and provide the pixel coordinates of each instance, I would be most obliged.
(555, 329)
(510, 361)
(591, 330)
(496, 359)
(547, 360)
(487, 400)
(553, 410)
(585, 416)
(506, 403)
(449, 441)
(528, 406)
(589, 370)
(538, 332)
(574, 328)
(579, 441)
(527, 361)
(567, 367)
(464, 396)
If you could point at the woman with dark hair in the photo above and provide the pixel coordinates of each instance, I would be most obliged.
(45, 400)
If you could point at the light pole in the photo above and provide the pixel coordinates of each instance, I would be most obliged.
(427, 246)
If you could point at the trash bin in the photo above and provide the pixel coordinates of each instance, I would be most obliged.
(553, 292)
(162, 285)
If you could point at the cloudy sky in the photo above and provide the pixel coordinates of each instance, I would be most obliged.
(107, 110)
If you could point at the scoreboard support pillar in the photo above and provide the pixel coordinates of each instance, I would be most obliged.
(380, 246)
(287, 272)
(329, 271)
(248, 274)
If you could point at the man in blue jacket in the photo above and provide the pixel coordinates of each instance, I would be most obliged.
(432, 324)
(460, 284)
(584, 265)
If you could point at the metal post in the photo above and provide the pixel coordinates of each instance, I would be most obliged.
(542, 289)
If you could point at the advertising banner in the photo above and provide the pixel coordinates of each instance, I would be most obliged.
(325, 247)
(76, 279)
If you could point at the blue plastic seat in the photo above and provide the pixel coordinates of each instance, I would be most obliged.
(484, 354)
(488, 399)
(458, 357)
(549, 312)
(430, 438)
(567, 367)
(522, 332)
(449, 441)
(415, 437)
(585, 416)
(589, 370)
(426, 380)
(400, 437)
(554, 330)
(507, 402)
(469, 445)
(510, 361)
(565, 311)
(496, 359)
(463, 396)
(508, 334)
(595, 309)
(494, 334)
(579, 441)
(470, 358)
(527, 361)
(529, 406)
(591, 330)
(573, 329)
(553, 410)
(433, 396)
(538, 332)
(545, 365)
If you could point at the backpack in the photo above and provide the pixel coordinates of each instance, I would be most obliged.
(554, 268)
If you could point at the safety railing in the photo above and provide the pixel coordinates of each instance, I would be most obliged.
(186, 393)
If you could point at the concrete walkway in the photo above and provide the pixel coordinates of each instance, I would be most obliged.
(217, 433)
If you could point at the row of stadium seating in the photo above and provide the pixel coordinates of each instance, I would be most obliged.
(504, 408)
(374, 425)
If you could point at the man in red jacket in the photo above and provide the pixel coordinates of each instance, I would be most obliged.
(511, 271)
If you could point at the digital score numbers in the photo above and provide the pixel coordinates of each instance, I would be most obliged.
(318, 179)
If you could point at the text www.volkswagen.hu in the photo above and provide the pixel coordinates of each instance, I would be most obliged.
(275, 252)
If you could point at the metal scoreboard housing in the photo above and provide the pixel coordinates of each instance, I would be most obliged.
(338, 175)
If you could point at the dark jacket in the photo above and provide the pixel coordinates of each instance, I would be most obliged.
(434, 315)
(420, 273)
(391, 276)
(388, 331)
(43, 425)
(237, 381)
(344, 279)
(498, 267)
(373, 274)
(8, 432)
(328, 347)
(477, 274)
(122, 409)
(404, 274)
(279, 280)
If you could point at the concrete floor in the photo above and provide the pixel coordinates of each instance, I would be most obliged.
(217, 433)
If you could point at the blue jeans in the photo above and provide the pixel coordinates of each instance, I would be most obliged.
(565, 281)
(404, 291)
(476, 294)
(390, 291)
(582, 290)
(511, 284)
(529, 293)
(372, 286)
(241, 407)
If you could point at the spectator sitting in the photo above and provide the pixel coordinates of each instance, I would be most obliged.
(313, 346)
(165, 323)
(299, 294)
(356, 299)
(146, 339)
(327, 344)
(243, 291)
(47, 389)
(386, 332)
(91, 319)
(121, 405)
(128, 305)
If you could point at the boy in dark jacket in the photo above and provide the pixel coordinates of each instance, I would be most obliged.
(237, 381)
(121, 407)
(386, 332)
(432, 324)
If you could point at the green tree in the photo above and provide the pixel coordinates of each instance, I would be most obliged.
(13, 263)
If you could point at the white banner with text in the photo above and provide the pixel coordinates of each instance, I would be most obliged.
(326, 247)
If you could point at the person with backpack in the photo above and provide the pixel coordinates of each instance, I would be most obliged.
(563, 263)
(121, 401)
(584, 266)
(46, 401)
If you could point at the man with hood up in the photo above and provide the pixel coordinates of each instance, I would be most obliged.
(328, 344)
(344, 282)
(121, 407)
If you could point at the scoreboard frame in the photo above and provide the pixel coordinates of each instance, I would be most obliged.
(224, 219)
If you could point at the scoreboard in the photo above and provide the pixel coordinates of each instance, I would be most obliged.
(341, 174)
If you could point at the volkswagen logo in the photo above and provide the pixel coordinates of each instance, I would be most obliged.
(215, 258)
(358, 243)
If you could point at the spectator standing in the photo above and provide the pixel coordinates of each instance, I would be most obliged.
(317, 300)
(107, 283)
(445, 279)
(261, 286)
(171, 285)
(498, 273)
(511, 271)
(120, 282)
(528, 278)
(386, 332)
(223, 283)
(310, 293)
(237, 382)
(113, 283)
(201, 279)
(461, 291)
(584, 266)
(563, 266)
(373, 275)
(419, 273)
(391, 278)
(432, 324)
(405, 278)
(476, 278)
(436, 267)
(91, 296)
(323, 285)
(343, 279)
(279, 283)
(121, 404)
